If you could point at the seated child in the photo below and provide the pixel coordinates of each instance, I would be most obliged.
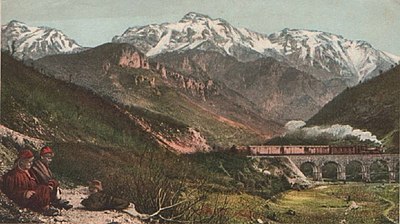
(98, 200)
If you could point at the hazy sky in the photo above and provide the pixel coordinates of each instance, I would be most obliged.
(93, 22)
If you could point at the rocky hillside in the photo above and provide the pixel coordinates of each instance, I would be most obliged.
(46, 108)
(248, 94)
(124, 74)
(25, 42)
(372, 106)
(327, 56)
(279, 91)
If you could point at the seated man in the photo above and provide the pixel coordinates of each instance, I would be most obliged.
(23, 189)
(41, 172)
(98, 200)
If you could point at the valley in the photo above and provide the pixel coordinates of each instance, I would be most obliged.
(184, 120)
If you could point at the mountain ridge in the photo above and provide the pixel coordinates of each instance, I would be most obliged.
(325, 55)
(322, 53)
(124, 74)
(280, 92)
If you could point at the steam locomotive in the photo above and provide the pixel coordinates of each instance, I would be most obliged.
(311, 150)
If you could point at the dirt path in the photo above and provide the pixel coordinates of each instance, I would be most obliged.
(78, 215)
(388, 209)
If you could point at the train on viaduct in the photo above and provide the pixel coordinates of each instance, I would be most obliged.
(310, 150)
(319, 155)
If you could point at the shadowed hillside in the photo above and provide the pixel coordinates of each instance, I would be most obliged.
(373, 105)
(280, 92)
(49, 109)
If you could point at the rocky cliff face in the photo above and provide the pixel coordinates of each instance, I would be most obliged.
(132, 59)
(101, 66)
(279, 91)
(93, 69)
(124, 74)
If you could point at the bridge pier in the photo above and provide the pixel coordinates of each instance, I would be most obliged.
(366, 174)
(392, 176)
(392, 172)
(341, 175)
(342, 161)
(317, 173)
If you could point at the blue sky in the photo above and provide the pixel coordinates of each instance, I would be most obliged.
(93, 22)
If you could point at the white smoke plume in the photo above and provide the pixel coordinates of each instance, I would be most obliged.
(337, 131)
(294, 125)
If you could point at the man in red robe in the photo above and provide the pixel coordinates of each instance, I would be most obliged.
(41, 172)
(23, 189)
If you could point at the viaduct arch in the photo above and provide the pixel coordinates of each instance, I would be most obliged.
(366, 160)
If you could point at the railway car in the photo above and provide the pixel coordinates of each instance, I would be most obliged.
(265, 150)
(317, 149)
(293, 149)
(312, 150)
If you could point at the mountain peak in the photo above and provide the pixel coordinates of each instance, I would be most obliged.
(194, 16)
(305, 32)
(30, 42)
(15, 23)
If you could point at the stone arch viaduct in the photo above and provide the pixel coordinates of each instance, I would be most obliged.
(341, 161)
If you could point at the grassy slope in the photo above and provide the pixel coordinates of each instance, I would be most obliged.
(93, 139)
(328, 204)
(373, 106)
(46, 108)
(217, 132)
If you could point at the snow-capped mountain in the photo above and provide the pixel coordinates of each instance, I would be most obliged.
(28, 42)
(352, 60)
(195, 31)
(321, 53)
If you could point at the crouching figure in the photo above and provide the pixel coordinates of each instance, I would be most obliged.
(99, 200)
